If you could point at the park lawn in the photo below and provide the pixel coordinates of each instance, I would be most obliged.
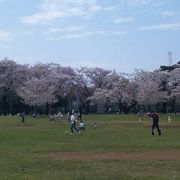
(26, 149)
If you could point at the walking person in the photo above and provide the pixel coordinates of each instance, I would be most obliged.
(139, 116)
(73, 124)
(155, 118)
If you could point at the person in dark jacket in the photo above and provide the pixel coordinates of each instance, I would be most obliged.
(155, 124)
(22, 117)
(79, 116)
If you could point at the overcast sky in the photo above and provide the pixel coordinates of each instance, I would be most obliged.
(112, 34)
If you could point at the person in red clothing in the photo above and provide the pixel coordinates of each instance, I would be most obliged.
(155, 124)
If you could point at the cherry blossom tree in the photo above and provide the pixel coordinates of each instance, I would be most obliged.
(64, 79)
(52, 84)
(82, 89)
(97, 77)
(150, 87)
(37, 92)
(39, 87)
(119, 90)
(101, 82)
(174, 87)
(12, 76)
(124, 95)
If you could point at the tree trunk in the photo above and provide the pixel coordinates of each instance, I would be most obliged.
(164, 107)
(35, 109)
(10, 101)
(65, 105)
(173, 105)
(80, 109)
(157, 107)
(49, 109)
(87, 107)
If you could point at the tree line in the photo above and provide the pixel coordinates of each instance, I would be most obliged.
(25, 87)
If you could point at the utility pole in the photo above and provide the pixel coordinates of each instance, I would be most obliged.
(170, 58)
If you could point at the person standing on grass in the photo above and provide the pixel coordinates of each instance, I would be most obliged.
(139, 116)
(22, 117)
(169, 119)
(155, 118)
(68, 117)
(79, 116)
(73, 124)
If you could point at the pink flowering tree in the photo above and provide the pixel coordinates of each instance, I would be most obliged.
(37, 92)
(38, 89)
(12, 76)
(150, 88)
(174, 88)
(119, 90)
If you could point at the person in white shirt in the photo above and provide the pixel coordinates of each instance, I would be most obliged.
(95, 125)
(81, 125)
(73, 124)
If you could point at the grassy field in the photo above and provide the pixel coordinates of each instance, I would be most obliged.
(41, 150)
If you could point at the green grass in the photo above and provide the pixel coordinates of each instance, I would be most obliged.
(23, 148)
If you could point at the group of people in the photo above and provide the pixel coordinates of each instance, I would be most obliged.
(55, 117)
(154, 115)
(73, 121)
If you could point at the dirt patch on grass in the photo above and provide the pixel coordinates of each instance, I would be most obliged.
(24, 125)
(166, 126)
(172, 155)
(171, 126)
(21, 126)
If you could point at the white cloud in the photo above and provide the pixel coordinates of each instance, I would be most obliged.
(56, 9)
(123, 20)
(66, 29)
(120, 33)
(170, 13)
(110, 8)
(166, 13)
(138, 2)
(95, 8)
(5, 36)
(5, 1)
(77, 35)
(175, 26)
(82, 34)
(74, 28)
(52, 15)
(1, 45)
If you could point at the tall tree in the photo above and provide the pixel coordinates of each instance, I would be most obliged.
(149, 88)
(12, 76)
(39, 88)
